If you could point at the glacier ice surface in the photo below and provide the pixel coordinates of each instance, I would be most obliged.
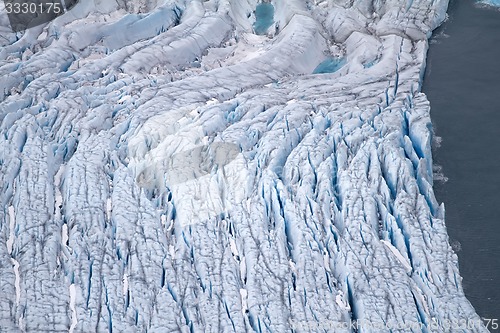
(122, 213)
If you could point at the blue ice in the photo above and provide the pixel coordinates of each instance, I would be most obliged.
(330, 65)
(264, 16)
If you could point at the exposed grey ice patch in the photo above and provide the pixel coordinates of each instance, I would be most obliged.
(189, 164)
(166, 169)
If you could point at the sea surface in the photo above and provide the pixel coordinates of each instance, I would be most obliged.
(462, 82)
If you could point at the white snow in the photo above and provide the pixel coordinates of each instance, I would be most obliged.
(64, 235)
(17, 282)
(125, 284)
(244, 295)
(12, 225)
(339, 299)
(72, 304)
(398, 255)
(109, 208)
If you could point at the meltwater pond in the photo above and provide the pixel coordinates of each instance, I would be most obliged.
(491, 2)
(330, 65)
(264, 16)
(462, 82)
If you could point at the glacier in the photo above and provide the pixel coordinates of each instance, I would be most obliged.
(164, 168)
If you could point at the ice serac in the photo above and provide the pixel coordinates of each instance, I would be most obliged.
(165, 169)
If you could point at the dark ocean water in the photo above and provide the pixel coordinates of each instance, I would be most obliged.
(462, 82)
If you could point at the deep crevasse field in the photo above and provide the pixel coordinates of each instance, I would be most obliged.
(165, 169)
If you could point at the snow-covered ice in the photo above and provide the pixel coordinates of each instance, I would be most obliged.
(494, 3)
(165, 169)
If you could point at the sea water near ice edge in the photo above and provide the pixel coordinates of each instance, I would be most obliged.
(461, 83)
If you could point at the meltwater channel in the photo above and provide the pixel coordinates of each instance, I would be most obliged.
(462, 82)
